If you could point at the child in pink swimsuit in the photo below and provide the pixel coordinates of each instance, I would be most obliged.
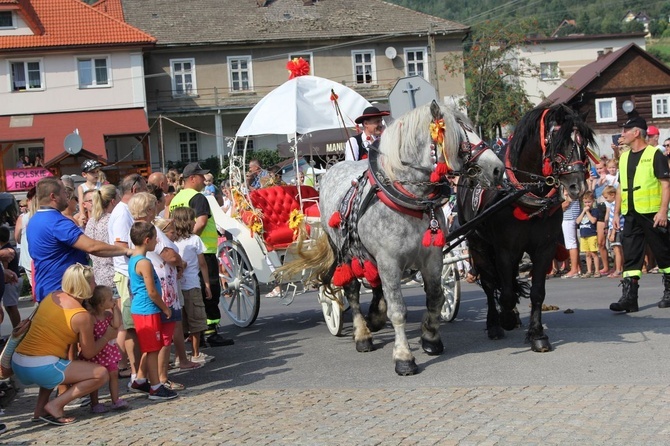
(104, 309)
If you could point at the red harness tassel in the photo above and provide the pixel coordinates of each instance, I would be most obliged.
(335, 220)
(357, 267)
(546, 167)
(343, 275)
(520, 214)
(427, 238)
(439, 238)
(371, 273)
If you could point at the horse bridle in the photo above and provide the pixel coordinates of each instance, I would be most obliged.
(470, 153)
(559, 164)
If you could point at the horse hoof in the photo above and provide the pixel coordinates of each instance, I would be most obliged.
(540, 345)
(496, 333)
(508, 320)
(364, 346)
(406, 368)
(432, 347)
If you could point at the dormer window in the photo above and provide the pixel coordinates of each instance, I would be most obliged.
(6, 20)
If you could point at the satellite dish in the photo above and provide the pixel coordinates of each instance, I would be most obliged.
(73, 143)
(628, 106)
(390, 53)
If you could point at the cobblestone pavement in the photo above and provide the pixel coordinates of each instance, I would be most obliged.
(287, 381)
(483, 415)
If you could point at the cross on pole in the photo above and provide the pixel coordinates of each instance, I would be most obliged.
(410, 89)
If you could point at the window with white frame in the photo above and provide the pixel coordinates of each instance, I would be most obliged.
(416, 62)
(183, 77)
(606, 110)
(308, 58)
(6, 19)
(27, 75)
(239, 147)
(364, 67)
(188, 146)
(239, 73)
(93, 71)
(549, 71)
(660, 105)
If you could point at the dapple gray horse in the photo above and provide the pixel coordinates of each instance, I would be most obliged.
(392, 239)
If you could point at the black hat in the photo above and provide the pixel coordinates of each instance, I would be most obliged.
(194, 169)
(637, 121)
(370, 112)
(90, 165)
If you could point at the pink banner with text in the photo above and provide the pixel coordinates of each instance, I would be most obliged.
(24, 179)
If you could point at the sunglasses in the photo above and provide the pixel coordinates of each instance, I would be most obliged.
(666, 145)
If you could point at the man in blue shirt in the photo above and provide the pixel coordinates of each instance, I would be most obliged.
(56, 242)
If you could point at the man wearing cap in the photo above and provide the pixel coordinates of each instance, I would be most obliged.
(652, 136)
(205, 227)
(642, 198)
(357, 147)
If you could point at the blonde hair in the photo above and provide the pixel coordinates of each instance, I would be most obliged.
(609, 190)
(77, 281)
(162, 223)
(612, 162)
(140, 203)
(101, 199)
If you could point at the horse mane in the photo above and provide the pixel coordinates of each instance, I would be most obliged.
(405, 138)
(527, 131)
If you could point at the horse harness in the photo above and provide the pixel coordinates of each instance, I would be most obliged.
(554, 165)
(394, 195)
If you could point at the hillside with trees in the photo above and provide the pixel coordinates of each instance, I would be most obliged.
(590, 16)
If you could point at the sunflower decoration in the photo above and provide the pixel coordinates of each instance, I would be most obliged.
(256, 227)
(295, 221)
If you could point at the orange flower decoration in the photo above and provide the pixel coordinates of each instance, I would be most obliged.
(437, 130)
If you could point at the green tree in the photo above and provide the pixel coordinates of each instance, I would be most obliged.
(495, 95)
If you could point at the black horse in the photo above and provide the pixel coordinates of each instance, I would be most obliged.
(546, 156)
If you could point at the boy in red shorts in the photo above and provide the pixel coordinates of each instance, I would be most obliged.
(146, 308)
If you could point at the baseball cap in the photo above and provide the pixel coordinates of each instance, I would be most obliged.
(194, 169)
(637, 121)
(652, 130)
(90, 165)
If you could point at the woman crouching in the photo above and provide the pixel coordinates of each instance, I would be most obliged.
(41, 358)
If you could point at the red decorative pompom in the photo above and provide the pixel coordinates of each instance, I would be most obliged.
(371, 272)
(343, 275)
(376, 282)
(333, 96)
(439, 238)
(335, 220)
(357, 267)
(546, 167)
(520, 214)
(427, 238)
(297, 67)
(434, 177)
(441, 169)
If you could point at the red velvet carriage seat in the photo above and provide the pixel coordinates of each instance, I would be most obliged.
(276, 204)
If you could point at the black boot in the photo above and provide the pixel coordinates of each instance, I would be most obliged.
(665, 301)
(628, 301)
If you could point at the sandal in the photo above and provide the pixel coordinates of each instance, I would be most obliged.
(615, 275)
(120, 405)
(99, 408)
(171, 385)
(274, 293)
(57, 421)
(125, 372)
(190, 365)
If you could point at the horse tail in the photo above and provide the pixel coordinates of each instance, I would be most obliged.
(316, 258)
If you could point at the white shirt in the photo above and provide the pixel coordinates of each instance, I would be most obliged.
(120, 222)
(351, 149)
(189, 249)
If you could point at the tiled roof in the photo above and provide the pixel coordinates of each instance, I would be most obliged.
(243, 21)
(68, 23)
(110, 7)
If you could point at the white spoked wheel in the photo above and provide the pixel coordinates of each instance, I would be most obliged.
(332, 310)
(451, 287)
(240, 293)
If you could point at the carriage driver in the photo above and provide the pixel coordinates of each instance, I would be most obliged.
(357, 147)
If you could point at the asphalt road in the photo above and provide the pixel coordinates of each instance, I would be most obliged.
(287, 380)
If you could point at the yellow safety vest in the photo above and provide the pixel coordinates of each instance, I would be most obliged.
(646, 187)
(209, 235)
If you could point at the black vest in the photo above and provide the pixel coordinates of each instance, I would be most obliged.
(362, 151)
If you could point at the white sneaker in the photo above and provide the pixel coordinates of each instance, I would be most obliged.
(202, 358)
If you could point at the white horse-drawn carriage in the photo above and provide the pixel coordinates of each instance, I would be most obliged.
(266, 222)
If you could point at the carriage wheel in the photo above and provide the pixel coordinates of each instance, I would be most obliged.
(240, 293)
(332, 311)
(451, 287)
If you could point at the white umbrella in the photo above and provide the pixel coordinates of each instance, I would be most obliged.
(302, 105)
